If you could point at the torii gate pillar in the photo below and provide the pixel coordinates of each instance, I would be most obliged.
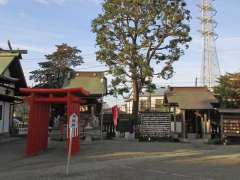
(37, 139)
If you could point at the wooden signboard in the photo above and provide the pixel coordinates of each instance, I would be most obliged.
(155, 125)
(231, 127)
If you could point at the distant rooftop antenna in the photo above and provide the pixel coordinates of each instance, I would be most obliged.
(210, 69)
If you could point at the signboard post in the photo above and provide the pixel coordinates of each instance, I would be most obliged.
(73, 126)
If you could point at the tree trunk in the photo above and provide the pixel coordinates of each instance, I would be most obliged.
(135, 106)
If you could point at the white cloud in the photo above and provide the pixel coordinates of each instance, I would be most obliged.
(3, 2)
(45, 2)
(93, 1)
(60, 2)
(41, 1)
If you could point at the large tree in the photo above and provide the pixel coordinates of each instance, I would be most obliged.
(140, 39)
(58, 67)
(228, 90)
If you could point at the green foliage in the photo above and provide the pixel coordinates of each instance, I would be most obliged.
(228, 90)
(58, 66)
(140, 39)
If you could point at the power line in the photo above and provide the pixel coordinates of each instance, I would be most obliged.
(80, 68)
(43, 58)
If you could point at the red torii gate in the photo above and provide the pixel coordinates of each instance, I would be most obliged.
(39, 100)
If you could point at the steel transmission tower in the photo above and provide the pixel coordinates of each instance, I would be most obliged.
(210, 69)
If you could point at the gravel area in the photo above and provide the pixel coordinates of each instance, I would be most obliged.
(123, 160)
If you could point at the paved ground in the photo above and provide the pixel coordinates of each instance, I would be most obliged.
(125, 160)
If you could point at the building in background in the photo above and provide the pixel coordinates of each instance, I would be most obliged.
(147, 101)
(94, 82)
(193, 109)
(91, 110)
(11, 79)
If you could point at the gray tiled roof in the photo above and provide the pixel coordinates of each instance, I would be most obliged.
(191, 97)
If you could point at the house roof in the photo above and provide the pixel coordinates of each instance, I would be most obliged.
(155, 93)
(5, 60)
(10, 60)
(94, 82)
(191, 97)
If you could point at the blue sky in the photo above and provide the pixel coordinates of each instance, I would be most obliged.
(37, 25)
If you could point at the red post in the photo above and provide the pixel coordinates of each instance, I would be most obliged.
(37, 139)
